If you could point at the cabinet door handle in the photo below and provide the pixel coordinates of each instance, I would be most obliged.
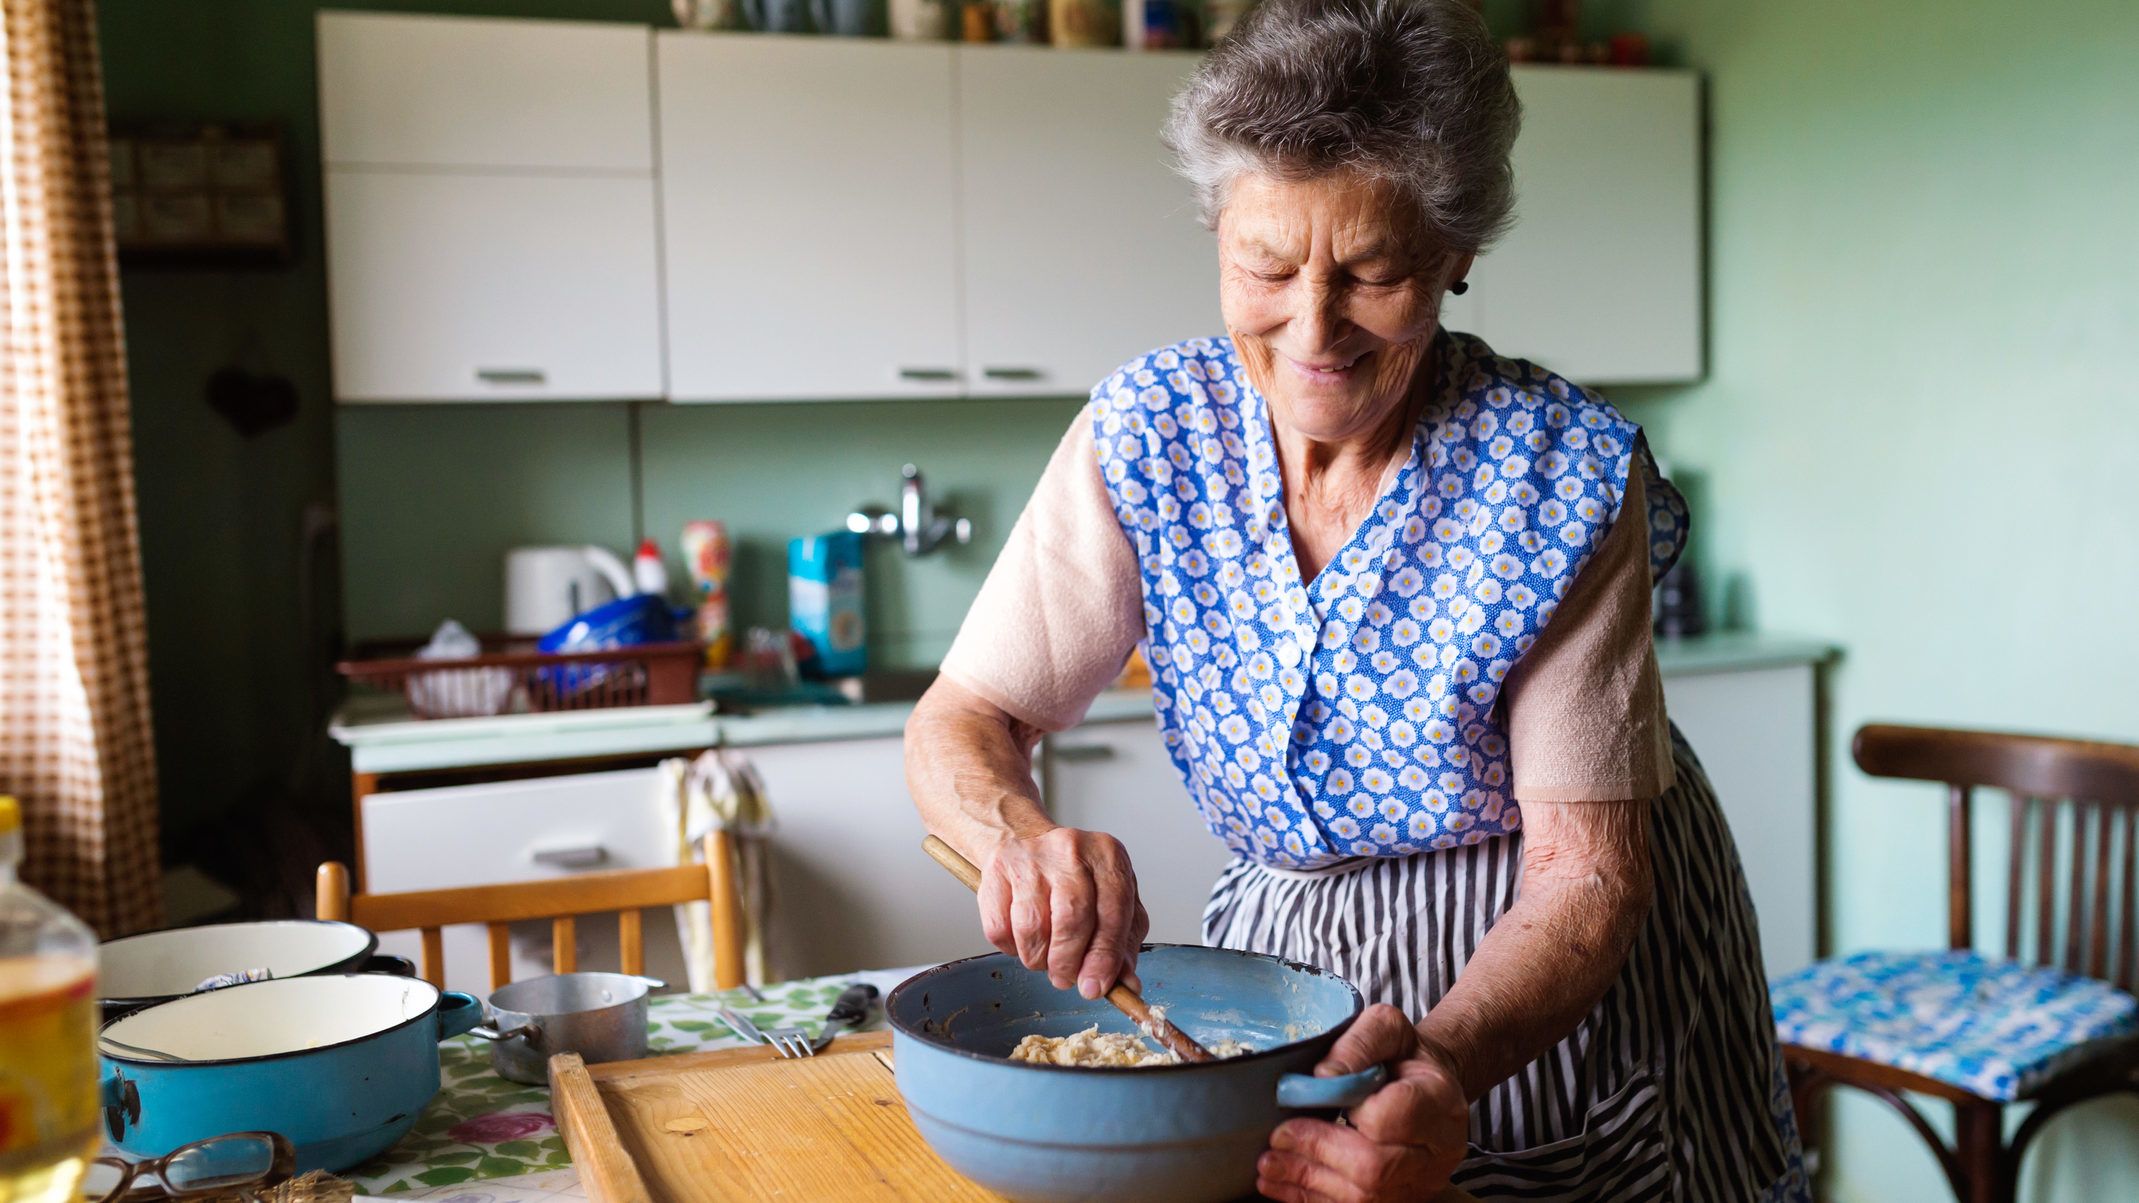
(1080, 753)
(1013, 373)
(510, 375)
(927, 374)
(584, 857)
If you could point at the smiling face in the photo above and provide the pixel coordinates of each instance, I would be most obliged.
(1331, 290)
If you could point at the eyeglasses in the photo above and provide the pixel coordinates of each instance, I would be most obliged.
(219, 1165)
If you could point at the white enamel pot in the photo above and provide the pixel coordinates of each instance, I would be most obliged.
(141, 970)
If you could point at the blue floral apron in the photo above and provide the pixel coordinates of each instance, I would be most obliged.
(1353, 715)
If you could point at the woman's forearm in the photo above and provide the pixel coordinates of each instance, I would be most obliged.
(1586, 892)
(969, 768)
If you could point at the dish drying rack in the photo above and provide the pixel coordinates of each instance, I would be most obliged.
(511, 675)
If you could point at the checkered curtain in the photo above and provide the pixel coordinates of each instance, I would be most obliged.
(74, 709)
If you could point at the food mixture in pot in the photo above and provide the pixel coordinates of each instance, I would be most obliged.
(1092, 1048)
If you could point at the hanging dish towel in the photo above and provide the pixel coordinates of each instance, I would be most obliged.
(720, 790)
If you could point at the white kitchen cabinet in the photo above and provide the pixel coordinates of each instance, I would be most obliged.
(1755, 732)
(1600, 278)
(475, 93)
(859, 218)
(851, 887)
(1116, 777)
(1081, 247)
(505, 287)
(528, 830)
(490, 209)
(808, 194)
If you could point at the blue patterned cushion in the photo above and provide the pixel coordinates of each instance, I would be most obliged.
(1991, 1026)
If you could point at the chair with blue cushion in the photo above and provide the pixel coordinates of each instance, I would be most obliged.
(2051, 1022)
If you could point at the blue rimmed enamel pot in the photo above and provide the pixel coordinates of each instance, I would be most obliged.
(1162, 1134)
(340, 1064)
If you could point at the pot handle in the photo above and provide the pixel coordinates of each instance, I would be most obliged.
(527, 1031)
(122, 1103)
(457, 1012)
(1305, 1092)
(386, 963)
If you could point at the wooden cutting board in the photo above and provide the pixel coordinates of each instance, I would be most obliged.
(743, 1125)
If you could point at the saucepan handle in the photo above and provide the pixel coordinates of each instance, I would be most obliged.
(457, 1012)
(491, 1032)
(121, 1100)
(1305, 1092)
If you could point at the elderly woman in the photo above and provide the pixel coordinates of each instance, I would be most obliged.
(1394, 592)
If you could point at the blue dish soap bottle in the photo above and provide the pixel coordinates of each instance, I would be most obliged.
(824, 602)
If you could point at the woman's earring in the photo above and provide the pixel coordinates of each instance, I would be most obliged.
(1459, 288)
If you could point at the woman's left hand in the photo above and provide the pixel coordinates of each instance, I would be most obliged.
(1403, 1142)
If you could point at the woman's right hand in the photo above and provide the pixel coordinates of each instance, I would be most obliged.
(1064, 900)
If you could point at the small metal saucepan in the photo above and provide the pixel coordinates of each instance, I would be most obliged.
(600, 1016)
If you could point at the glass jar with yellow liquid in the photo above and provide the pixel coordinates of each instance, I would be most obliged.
(48, 1023)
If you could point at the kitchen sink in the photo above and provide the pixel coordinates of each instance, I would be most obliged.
(892, 685)
(887, 685)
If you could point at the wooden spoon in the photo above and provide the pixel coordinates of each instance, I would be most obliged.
(1127, 1001)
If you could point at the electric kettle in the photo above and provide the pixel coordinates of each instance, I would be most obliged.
(546, 587)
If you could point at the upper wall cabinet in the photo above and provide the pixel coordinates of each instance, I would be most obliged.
(1082, 246)
(809, 206)
(527, 209)
(490, 209)
(853, 219)
(1600, 279)
(469, 92)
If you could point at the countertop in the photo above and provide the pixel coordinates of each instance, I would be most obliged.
(382, 738)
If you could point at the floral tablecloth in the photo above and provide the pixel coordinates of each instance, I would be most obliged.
(483, 1127)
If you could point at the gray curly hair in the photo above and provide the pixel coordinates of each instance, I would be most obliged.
(1414, 92)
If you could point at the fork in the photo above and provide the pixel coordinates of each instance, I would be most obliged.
(788, 1042)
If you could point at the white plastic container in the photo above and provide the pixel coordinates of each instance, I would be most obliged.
(647, 570)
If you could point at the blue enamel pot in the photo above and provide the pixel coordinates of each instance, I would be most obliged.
(340, 1064)
(1163, 1134)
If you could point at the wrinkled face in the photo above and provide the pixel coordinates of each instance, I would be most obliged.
(1331, 291)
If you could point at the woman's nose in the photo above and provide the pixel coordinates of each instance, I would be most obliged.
(1318, 319)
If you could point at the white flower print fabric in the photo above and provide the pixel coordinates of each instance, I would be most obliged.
(1995, 1027)
(1353, 715)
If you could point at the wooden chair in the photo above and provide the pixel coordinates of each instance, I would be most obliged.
(2074, 815)
(561, 900)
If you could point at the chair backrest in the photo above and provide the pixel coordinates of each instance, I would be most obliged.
(2074, 812)
(562, 901)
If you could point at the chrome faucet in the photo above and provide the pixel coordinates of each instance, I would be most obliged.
(916, 525)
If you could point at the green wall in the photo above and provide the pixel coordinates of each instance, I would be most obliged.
(433, 495)
(1919, 425)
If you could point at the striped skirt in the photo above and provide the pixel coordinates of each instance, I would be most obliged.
(1671, 1088)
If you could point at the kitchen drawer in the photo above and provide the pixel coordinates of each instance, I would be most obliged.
(426, 91)
(529, 830)
(467, 835)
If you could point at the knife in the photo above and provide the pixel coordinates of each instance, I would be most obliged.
(850, 1009)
